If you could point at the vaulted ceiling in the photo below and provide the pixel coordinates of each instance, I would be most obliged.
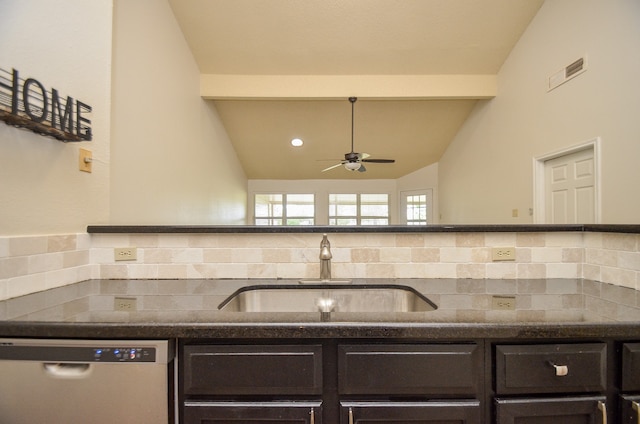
(281, 69)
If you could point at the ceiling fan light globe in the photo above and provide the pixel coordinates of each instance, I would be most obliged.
(352, 166)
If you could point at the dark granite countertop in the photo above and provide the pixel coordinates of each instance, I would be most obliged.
(258, 229)
(188, 309)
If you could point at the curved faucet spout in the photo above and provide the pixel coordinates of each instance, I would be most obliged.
(325, 259)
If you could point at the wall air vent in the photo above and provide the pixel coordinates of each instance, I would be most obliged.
(568, 72)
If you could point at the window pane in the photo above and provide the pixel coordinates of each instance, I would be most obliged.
(417, 209)
(268, 205)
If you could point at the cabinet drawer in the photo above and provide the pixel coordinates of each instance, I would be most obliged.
(265, 370)
(409, 369)
(432, 412)
(253, 412)
(555, 368)
(631, 367)
(558, 410)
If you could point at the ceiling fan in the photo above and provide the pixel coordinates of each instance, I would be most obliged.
(353, 160)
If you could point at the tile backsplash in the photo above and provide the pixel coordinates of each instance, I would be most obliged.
(35, 263)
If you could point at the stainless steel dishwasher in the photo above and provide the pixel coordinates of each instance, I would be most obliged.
(85, 381)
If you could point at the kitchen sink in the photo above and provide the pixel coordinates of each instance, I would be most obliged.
(327, 298)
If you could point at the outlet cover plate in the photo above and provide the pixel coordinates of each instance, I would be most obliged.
(503, 254)
(125, 254)
(126, 304)
(503, 303)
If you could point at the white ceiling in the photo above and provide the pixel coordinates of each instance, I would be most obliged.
(388, 38)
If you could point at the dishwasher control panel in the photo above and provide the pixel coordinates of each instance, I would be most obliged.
(95, 353)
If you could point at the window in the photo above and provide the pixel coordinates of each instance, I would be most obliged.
(358, 209)
(284, 209)
(416, 207)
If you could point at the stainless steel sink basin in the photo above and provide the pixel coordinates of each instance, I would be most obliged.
(327, 298)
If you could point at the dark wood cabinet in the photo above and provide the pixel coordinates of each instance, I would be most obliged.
(204, 412)
(409, 369)
(332, 382)
(433, 412)
(554, 410)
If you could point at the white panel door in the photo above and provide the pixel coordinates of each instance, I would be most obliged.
(570, 196)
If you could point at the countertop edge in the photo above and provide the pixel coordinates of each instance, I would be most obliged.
(431, 331)
(257, 229)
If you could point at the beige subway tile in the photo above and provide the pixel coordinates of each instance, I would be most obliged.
(500, 239)
(374, 270)
(425, 254)
(60, 243)
(471, 270)
(264, 270)
(179, 271)
(410, 240)
(619, 277)
(523, 254)
(75, 258)
(187, 256)
(481, 255)
(146, 241)
(173, 240)
(591, 272)
(157, 255)
(395, 254)
(530, 239)
(626, 242)
(276, 255)
(440, 240)
(4, 247)
(501, 270)
(546, 254)
(455, 254)
(532, 271)
(216, 255)
(501, 286)
(204, 270)
(365, 255)
(438, 270)
(629, 260)
(14, 267)
(573, 254)
(471, 286)
(601, 257)
(564, 239)
(563, 270)
(29, 245)
(26, 284)
(532, 286)
(109, 240)
(470, 239)
(45, 262)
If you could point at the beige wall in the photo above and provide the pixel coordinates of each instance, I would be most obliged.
(487, 170)
(172, 162)
(67, 46)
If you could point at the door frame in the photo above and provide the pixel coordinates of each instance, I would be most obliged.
(539, 203)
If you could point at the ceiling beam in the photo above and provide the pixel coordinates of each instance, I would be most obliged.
(330, 87)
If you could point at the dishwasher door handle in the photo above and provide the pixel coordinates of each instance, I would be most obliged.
(66, 370)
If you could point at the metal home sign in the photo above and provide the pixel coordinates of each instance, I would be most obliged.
(27, 103)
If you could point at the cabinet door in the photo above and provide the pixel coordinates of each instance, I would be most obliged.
(561, 410)
(252, 413)
(409, 369)
(554, 368)
(630, 409)
(441, 412)
(253, 369)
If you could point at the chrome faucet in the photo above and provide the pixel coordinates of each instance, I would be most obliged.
(325, 259)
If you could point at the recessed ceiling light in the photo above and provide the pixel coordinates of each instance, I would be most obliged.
(296, 142)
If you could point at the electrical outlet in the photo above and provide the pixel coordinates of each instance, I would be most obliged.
(125, 254)
(503, 254)
(85, 160)
(503, 303)
(127, 304)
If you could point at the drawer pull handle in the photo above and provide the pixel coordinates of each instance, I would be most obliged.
(636, 407)
(561, 370)
(603, 408)
(312, 413)
(350, 415)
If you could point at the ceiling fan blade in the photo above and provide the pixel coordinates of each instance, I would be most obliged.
(362, 168)
(332, 167)
(363, 155)
(379, 160)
